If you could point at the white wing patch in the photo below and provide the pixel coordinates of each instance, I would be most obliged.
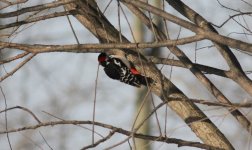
(117, 63)
(123, 59)
(124, 71)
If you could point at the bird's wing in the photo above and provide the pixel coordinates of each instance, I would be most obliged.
(112, 71)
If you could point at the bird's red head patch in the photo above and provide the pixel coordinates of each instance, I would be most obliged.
(102, 57)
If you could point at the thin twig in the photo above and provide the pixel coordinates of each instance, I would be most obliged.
(24, 109)
(45, 140)
(138, 126)
(76, 125)
(13, 58)
(72, 28)
(111, 133)
(35, 19)
(231, 17)
(11, 3)
(41, 7)
(17, 67)
(5, 116)
(94, 106)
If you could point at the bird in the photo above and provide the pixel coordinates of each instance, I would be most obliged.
(119, 68)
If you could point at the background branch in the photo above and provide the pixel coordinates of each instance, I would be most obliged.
(179, 142)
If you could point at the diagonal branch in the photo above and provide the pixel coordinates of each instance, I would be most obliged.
(13, 58)
(194, 28)
(205, 69)
(237, 73)
(35, 19)
(35, 8)
(24, 109)
(17, 67)
(100, 141)
(185, 60)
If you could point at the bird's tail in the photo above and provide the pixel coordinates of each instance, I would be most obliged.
(144, 80)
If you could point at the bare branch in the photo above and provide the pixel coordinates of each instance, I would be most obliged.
(35, 8)
(36, 19)
(17, 68)
(24, 109)
(100, 141)
(5, 116)
(205, 69)
(231, 17)
(237, 73)
(207, 34)
(94, 48)
(11, 3)
(179, 142)
(185, 60)
(14, 58)
(232, 106)
(45, 140)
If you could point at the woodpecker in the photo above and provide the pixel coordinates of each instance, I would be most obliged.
(119, 68)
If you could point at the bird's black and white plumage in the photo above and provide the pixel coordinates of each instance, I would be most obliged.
(119, 69)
